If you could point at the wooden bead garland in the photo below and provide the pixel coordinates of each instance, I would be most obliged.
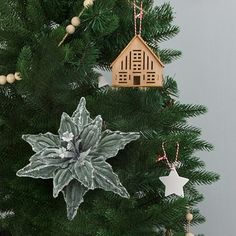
(10, 78)
(75, 21)
(189, 218)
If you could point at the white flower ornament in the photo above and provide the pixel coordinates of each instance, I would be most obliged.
(76, 158)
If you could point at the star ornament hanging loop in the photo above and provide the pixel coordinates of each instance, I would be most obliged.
(76, 159)
(173, 182)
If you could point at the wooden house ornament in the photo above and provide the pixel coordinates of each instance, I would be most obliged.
(137, 66)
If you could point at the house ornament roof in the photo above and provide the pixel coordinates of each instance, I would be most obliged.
(145, 44)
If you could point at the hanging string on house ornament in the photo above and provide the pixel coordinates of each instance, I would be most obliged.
(75, 21)
(10, 78)
(137, 65)
(138, 16)
(173, 182)
(189, 218)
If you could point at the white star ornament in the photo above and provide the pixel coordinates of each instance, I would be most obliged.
(174, 183)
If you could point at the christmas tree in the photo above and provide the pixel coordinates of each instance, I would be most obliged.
(42, 76)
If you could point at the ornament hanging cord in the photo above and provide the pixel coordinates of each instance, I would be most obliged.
(131, 3)
(165, 158)
(138, 16)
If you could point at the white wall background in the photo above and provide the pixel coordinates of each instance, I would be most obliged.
(206, 74)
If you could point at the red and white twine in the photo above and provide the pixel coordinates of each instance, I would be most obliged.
(138, 16)
(165, 158)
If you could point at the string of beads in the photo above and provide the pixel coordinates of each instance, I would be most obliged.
(10, 78)
(75, 21)
(189, 218)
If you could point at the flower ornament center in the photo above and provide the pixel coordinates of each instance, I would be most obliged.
(72, 148)
(67, 136)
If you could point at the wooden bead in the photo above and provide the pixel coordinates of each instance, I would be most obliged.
(75, 21)
(189, 234)
(3, 79)
(70, 29)
(189, 217)
(10, 78)
(88, 3)
(18, 76)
